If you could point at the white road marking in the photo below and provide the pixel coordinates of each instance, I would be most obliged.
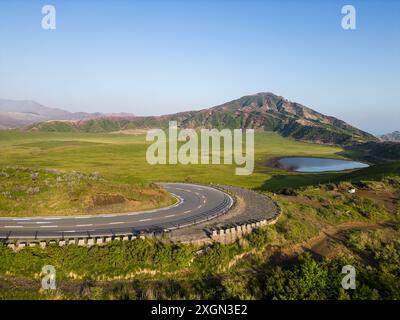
(39, 222)
(44, 222)
(136, 213)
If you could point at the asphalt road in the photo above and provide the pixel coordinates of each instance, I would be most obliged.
(195, 204)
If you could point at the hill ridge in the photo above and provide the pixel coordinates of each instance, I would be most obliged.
(260, 111)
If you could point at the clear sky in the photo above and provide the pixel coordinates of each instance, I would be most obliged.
(155, 57)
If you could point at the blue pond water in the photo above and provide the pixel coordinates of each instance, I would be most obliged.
(304, 164)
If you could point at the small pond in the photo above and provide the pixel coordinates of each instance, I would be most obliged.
(306, 164)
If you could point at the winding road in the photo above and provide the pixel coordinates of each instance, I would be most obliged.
(195, 204)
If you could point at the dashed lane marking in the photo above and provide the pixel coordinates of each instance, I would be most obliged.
(38, 222)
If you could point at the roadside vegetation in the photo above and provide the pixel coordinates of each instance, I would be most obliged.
(41, 192)
(300, 257)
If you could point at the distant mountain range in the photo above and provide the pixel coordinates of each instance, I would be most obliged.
(394, 136)
(21, 113)
(262, 111)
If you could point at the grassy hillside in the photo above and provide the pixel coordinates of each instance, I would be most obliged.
(374, 151)
(41, 192)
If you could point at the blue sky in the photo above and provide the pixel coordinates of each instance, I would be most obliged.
(156, 57)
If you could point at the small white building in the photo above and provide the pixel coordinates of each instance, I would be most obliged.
(351, 190)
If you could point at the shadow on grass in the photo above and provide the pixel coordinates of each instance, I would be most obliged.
(290, 180)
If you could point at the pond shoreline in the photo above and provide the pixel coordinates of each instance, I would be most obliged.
(276, 164)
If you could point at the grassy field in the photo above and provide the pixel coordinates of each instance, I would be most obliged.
(42, 192)
(120, 161)
(121, 158)
(335, 227)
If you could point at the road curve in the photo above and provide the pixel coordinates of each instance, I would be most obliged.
(195, 204)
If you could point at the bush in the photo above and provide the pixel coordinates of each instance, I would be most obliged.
(216, 258)
(117, 258)
(288, 192)
(261, 237)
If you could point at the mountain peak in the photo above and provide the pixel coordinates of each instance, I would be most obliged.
(21, 113)
(261, 111)
(393, 136)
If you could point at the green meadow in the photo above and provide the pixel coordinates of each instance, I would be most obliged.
(122, 157)
(363, 225)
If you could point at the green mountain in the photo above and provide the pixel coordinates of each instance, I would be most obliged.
(262, 111)
(374, 151)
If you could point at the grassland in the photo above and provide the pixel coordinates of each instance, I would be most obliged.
(322, 228)
(42, 192)
(121, 158)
